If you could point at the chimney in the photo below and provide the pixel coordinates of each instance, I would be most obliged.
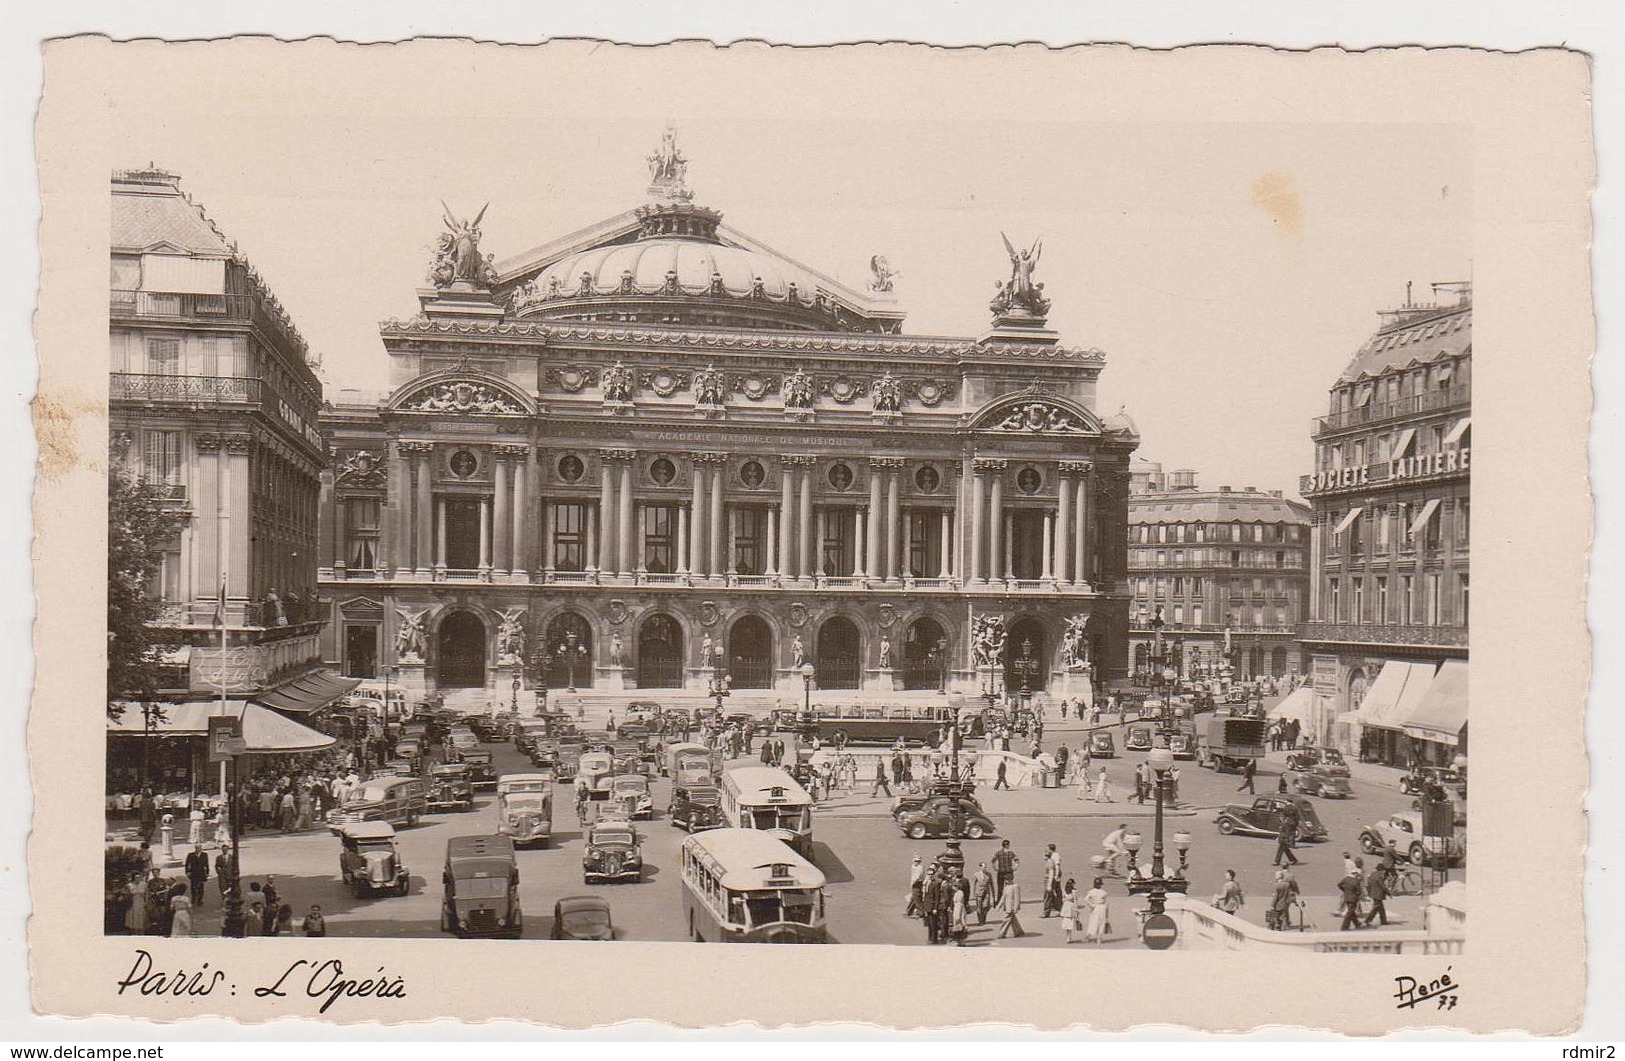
(1224, 489)
(1249, 489)
(1275, 493)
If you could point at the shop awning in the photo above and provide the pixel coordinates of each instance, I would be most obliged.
(1399, 688)
(1443, 711)
(1362, 394)
(263, 729)
(1349, 718)
(1295, 706)
(1402, 443)
(1459, 430)
(1423, 516)
(1353, 514)
(310, 691)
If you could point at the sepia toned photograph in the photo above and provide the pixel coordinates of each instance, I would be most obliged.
(670, 526)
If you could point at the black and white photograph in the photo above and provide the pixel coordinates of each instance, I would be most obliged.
(560, 500)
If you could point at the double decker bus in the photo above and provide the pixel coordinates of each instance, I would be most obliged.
(858, 724)
(767, 799)
(744, 886)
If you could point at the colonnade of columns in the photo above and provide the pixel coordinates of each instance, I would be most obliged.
(988, 541)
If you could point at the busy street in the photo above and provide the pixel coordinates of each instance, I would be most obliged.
(863, 854)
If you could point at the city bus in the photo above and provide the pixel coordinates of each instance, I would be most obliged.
(857, 724)
(768, 799)
(744, 886)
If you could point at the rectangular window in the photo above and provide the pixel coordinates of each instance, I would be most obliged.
(1433, 601)
(1335, 600)
(570, 537)
(1358, 604)
(1258, 615)
(1179, 614)
(659, 547)
(1201, 532)
(1463, 521)
(1402, 525)
(1235, 558)
(1196, 586)
(1280, 615)
(1379, 516)
(1196, 614)
(161, 457)
(1335, 456)
(1463, 611)
(1280, 558)
(1407, 600)
(1162, 558)
(361, 532)
(163, 357)
(1382, 599)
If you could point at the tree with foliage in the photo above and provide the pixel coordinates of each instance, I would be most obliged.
(137, 525)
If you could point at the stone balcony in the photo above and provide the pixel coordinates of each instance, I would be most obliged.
(1386, 634)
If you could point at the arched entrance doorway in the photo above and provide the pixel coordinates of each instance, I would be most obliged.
(569, 652)
(923, 649)
(1026, 657)
(660, 653)
(460, 656)
(839, 663)
(750, 653)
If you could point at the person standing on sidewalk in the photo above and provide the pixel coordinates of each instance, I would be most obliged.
(197, 872)
(916, 881)
(1052, 882)
(1285, 838)
(1350, 888)
(981, 892)
(930, 897)
(1376, 889)
(1248, 769)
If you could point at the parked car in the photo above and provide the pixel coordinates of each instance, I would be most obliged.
(1101, 745)
(1263, 818)
(695, 807)
(612, 851)
(1182, 742)
(1325, 782)
(369, 861)
(597, 769)
(1329, 758)
(914, 803)
(937, 815)
(480, 895)
(1138, 739)
(1401, 833)
(631, 792)
(644, 711)
(450, 786)
(582, 917)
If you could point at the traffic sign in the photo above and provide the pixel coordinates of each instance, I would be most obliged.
(223, 729)
(1159, 932)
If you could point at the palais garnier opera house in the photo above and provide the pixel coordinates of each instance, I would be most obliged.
(656, 450)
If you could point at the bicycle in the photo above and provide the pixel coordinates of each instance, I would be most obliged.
(1402, 882)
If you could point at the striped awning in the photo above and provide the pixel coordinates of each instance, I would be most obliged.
(1443, 710)
(1353, 514)
(1422, 517)
(1456, 432)
(1402, 443)
(263, 730)
(310, 691)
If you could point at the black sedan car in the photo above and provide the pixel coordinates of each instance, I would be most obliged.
(582, 917)
(695, 807)
(945, 816)
(1263, 818)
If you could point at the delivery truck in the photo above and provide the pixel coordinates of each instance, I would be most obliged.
(1229, 742)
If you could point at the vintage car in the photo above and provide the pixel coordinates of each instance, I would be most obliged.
(481, 774)
(459, 742)
(612, 851)
(569, 760)
(393, 799)
(1182, 742)
(525, 808)
(695, 807)
(526, 732)
(1416, 782)
(450, 786)
(637, 732)
(544, 754)
(631, 793)
(904, 804)
(644, 711)
(1101, 745)
(945, 816)
(1263, 818)
(1401, 834)
(480, 895)
(411, 750)
(1325, 782)
(628, 757)
(1328, 758)
(597, 769)
(369, 861)
(1138, 739)
(582, 917)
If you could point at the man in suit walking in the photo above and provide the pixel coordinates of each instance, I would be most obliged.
(1010, 906)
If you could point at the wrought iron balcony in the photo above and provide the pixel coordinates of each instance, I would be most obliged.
(1434, 401)
(1386, 634)
(201, 390)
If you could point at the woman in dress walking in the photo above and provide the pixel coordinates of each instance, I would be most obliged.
(180, 908)
(1103, 788)
(1069, 910)
(1099, 914)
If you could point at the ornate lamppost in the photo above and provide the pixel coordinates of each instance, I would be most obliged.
(235, 924)
(572, 642)
(1158, 884)
(807, 673)
(1026, 666)
(543, 663)
(721, 680)
(942, 664)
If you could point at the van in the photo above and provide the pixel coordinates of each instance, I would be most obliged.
(481, 888)
(385, 798)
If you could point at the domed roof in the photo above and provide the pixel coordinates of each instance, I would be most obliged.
(649, 267)
(1119, 423)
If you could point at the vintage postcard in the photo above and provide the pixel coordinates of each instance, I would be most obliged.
(1005, 520)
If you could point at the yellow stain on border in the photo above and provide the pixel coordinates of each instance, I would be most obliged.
(1273, 193)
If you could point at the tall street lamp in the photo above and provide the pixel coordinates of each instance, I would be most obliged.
(720, 679)
(1158, 884)
(942, 664)
(1027, 667)
(572, 641)
(235, 924)
(807, 673)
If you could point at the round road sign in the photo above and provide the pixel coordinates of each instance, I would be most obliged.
(1159, 932)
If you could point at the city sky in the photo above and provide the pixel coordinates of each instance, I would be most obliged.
(1229, 271)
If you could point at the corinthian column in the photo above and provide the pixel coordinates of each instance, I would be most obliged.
(502, 519)
(996, 569)
(606, 514)
(718, 529)
(696, 517)
(973, 570)
(804, 564)
(787, 558)
(628, 549)
(872, 560)
(1063, 531)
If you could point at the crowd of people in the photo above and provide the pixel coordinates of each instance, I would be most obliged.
(945, 898)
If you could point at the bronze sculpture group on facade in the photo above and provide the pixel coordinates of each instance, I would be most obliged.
(457, 256)
(1020, 295)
